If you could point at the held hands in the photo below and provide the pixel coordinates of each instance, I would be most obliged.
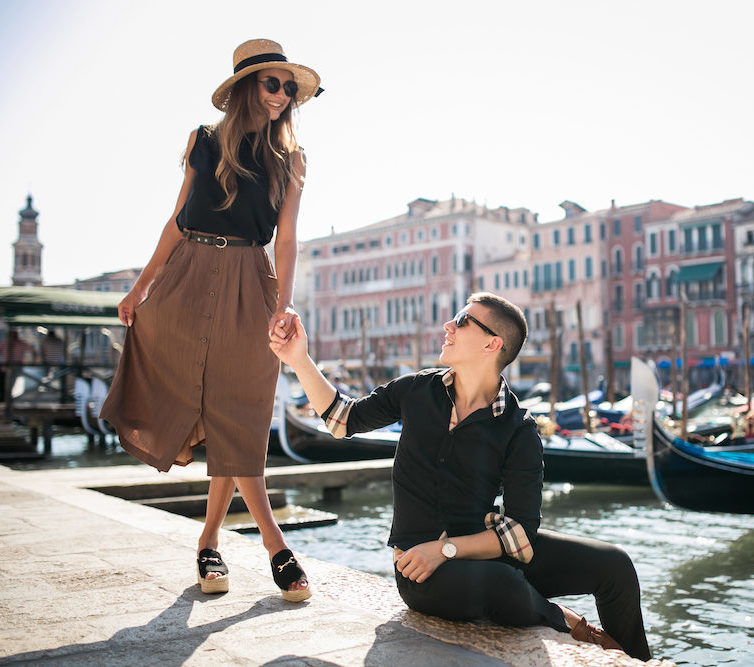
(288, 338)
(419, 562)
(286, 315)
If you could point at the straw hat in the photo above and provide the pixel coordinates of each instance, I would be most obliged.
(259, 54)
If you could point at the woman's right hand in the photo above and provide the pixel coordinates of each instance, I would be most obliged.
(127, 307)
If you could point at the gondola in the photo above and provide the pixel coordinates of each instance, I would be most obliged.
(703, 479)
(589, 458)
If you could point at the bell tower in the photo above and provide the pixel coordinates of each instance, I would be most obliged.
(27, 250)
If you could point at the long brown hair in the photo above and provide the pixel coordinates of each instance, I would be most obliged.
(276, 144)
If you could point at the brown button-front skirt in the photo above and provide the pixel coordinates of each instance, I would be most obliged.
(196, 367)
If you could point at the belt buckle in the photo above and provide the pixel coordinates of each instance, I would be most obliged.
(217, 242)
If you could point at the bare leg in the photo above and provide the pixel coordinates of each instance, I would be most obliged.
(221, 491)
(254, 492)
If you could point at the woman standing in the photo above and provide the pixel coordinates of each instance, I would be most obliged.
(196, 368)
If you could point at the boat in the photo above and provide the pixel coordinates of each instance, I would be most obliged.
(594, 458)
(719, 478)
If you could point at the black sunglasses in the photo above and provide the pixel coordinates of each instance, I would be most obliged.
(272, 85)
(464, 316)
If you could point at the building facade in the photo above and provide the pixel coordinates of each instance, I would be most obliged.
(379, 295)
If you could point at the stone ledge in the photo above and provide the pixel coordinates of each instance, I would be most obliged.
(110, 581)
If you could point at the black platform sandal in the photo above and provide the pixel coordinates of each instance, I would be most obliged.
(210, 560)
(285, 571)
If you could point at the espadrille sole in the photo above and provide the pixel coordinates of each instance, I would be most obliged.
(297, 596)
(216, 585)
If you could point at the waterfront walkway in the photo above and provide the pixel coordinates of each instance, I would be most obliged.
(91, 579)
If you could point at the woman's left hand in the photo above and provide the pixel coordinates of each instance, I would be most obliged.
(285, 316)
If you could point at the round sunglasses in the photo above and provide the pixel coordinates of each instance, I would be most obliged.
(462, 319)
(272, 85)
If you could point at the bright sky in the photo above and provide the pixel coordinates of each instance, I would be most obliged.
(508, 103)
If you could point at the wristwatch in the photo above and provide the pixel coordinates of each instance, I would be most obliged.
(448, 549)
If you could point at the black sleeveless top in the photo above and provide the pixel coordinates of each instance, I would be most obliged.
(251, 216)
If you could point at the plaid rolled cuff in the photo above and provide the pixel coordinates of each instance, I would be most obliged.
(337, 420)
(512, 536)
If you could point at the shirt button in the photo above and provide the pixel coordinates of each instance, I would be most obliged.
(204, 339)
(215, 269)
(212, 293)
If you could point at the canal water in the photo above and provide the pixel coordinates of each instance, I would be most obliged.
(696, 570)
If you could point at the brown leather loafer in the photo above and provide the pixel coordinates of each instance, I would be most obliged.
(586, 632)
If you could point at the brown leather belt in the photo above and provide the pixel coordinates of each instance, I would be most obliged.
(216, 241)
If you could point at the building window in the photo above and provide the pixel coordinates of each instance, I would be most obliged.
(420, 235)
(515, 279)
(535, 241)
(671, 284)
(316, 281)
(558, 275)
(638, 258)
(333, 320)
(587, 233)
(603, 233)
(388, 241)
(497, 281)
(719, 329)
(618, 266)
(571, 238)
(435, 313)
(638, 290)
(637, 224)
(618, 298)
(616, 227)
(652, 244)
(571, 270)
(434, 232)
(434, 265)
(688, 240)
(619, 337)
(603, 268)
(525, 277)
(535, 286)
(556, 237)
(671, 240)
(481, 282)
(588, 268)
(717, 236)
(691, 330)
(701, 235)
(507, 280)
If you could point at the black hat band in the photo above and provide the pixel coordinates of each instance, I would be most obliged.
(263, 58)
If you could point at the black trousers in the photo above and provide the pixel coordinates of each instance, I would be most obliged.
(509, 592)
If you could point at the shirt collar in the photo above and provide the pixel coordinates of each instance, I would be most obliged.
(498, 403)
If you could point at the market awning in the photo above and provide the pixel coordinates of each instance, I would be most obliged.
(698, 272)
(57, 306)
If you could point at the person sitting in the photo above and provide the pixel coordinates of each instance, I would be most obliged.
(464, 436)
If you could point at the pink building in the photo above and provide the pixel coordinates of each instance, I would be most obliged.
(381, 293)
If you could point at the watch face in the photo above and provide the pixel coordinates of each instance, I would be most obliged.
(449, 550)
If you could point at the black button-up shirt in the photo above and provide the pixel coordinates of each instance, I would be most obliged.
(447, 479)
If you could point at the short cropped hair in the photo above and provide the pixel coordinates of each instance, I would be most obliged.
(508, 321)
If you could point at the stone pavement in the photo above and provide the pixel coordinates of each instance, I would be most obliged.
(90, 579)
